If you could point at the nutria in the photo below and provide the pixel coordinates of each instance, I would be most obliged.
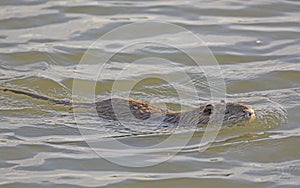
(117, 108)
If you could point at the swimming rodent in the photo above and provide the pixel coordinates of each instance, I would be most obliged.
(118, 108)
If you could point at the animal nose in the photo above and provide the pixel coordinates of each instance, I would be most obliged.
(248, 114)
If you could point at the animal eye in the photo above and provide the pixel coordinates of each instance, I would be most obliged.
(208, 109)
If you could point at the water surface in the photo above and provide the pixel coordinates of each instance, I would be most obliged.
(256, 43)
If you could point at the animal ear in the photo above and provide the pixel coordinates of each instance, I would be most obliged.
(208, 109)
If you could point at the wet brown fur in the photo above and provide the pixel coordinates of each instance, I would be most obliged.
(119, 109)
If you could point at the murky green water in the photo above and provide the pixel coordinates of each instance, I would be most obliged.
(256, 43)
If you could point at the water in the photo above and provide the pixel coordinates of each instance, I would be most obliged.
(256, 43)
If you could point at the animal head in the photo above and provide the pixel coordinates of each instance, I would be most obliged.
(233, 113)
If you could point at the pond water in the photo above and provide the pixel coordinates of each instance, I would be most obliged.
(252, 48)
